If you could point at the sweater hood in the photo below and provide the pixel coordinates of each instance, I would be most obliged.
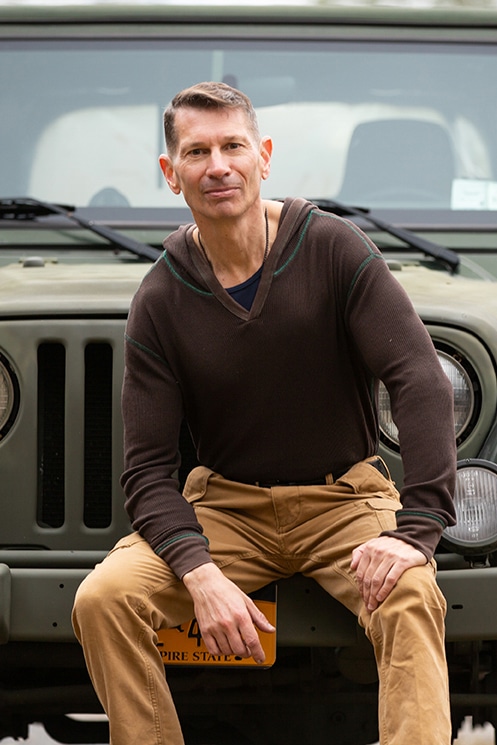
(183, 257)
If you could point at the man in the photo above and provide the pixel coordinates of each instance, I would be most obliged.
(267, 326)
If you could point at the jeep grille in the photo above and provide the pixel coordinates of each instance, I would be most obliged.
(54, 427)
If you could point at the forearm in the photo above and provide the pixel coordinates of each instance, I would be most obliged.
(398, 350)
(152, 414)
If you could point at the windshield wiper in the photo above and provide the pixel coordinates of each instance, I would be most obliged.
(25, 208)
(435, 250)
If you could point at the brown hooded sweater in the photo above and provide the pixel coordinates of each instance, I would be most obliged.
(283, 391)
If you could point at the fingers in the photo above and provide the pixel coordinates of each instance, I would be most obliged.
(251, 637)
(376, 582)
(260, 620)
(238, 634)
(379, 564)
(227, 617)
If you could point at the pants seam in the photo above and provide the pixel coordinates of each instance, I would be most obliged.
(151, 688)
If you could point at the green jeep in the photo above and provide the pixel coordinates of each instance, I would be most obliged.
(386, 116)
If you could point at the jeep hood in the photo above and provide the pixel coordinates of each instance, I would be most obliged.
(452, 300)
(68, 288)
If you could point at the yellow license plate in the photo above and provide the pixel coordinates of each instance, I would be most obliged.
(183, 645)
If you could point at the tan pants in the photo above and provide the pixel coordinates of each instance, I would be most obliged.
(258, 535)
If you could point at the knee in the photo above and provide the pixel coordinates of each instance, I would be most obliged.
(98, 600)
(417, 590)
(89, 602)
(415, 602)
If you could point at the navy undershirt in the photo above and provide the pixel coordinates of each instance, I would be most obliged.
(244, 293)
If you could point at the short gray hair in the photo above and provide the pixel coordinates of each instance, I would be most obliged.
(209, 95)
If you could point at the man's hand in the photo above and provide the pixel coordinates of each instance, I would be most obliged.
(379, 563)
(226, 616)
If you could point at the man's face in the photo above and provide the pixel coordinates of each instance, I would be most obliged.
(218, 165)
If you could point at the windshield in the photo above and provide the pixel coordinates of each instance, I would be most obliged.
(395, 126)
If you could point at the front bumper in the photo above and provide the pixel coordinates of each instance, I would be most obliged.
(37, 591)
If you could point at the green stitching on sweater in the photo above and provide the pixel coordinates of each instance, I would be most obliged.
(417, 513)
(366, 261)
(143, 348)
(180, 278)
(180, 538)
(297, 247)
(355, 230)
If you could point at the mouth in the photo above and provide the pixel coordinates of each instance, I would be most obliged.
(220, 192)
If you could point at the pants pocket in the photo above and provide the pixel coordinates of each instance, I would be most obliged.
(126, 542)
(196, 484)
(384, 511)
(364, 480)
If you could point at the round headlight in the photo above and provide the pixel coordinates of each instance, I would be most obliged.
(475, 501)
(464, 397)
(388, 428)
(9, 396)
(464, 400)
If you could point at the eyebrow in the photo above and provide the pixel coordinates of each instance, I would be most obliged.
(203, 143)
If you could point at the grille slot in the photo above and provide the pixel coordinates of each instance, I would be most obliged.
(51, 425)
(98, 436)
(54, 435)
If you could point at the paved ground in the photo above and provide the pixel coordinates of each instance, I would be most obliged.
(467, 736)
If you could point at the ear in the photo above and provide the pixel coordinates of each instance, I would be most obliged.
(167, 169)
(266, 151)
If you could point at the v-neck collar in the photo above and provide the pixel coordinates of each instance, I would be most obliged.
(292, 209)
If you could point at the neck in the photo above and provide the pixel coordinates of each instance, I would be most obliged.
(236, 253)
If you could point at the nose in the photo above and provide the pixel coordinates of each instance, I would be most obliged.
(218, 164)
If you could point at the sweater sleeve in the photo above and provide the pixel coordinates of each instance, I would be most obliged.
(398, 350)
(152, 413)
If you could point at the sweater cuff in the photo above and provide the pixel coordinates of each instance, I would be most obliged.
(421, 529)
(185, 552)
